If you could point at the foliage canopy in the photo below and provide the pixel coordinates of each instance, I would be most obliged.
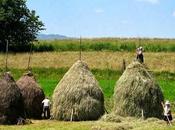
(18, 25)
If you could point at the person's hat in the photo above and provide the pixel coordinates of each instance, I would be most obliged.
(140, 47)
(167, 103)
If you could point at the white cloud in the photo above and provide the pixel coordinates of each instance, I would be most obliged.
(149, 1)
(174, 14)
(99, 11)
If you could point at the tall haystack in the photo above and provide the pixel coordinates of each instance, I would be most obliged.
(32, 95)
(11, 103)
(78, 96)
(137, 94)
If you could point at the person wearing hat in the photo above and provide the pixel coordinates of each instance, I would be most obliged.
(167, 112)
(139, 53)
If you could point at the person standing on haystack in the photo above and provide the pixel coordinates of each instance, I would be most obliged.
(139, 53)
(167, 112)
(46, 108)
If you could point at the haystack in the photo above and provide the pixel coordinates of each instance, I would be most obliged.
(136, 93)
(32, 95)
(78, 96)
(11, 103)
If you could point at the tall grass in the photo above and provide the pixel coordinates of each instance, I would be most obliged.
(109, 44)
(96, 60)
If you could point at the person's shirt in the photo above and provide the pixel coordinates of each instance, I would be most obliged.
(167, 111)
(140, 52)
(137, 51)
(46, 102)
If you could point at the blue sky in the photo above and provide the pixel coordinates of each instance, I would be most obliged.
(107, 18)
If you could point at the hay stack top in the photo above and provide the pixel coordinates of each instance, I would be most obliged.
(78, 95)
(137, 92)
(32, 95)
(28, 81)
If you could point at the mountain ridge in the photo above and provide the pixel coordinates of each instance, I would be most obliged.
(51, 36)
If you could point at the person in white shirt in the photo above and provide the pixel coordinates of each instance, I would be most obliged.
(167, 112)
(46, 108)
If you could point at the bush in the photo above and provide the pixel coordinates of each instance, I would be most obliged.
(130, 45)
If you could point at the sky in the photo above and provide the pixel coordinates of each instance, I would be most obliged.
(107, 18)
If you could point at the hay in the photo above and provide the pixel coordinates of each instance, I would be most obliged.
(135, 91)
(78, 96)
(32, 95)
(11, 103)
(153, 119)
(111, 118)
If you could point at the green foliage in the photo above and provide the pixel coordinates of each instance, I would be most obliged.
(18, 25)
(43, 48)
(108, 44)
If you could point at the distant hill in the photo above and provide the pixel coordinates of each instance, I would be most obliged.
(51, 36)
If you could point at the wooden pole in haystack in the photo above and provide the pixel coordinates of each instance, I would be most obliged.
(72, 112)
(6, 59)
(123, 65)
(80, 49)
(108, 73)
(30, 55)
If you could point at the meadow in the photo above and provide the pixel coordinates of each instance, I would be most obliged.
(106, 65)
(157, 62)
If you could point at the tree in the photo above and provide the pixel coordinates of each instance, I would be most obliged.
(18, 25)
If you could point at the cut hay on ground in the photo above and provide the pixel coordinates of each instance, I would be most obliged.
(11, 104)
(32, 95)
(137, 92)
(78, 96)
(115, 122)
(111, 118)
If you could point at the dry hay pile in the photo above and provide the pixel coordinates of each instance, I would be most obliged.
(32, 95)
(78, 96)
(115, 122)
(111, 118)
(11, 103)
(137, 92)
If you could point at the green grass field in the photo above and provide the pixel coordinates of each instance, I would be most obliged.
(110, 44)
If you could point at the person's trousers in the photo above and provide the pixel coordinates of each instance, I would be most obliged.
(46, 112)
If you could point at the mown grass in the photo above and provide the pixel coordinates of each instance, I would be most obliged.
(134, 124)
(110, 44)
(51, 125)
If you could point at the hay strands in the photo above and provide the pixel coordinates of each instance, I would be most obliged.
(135, 91)
(78, 96)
